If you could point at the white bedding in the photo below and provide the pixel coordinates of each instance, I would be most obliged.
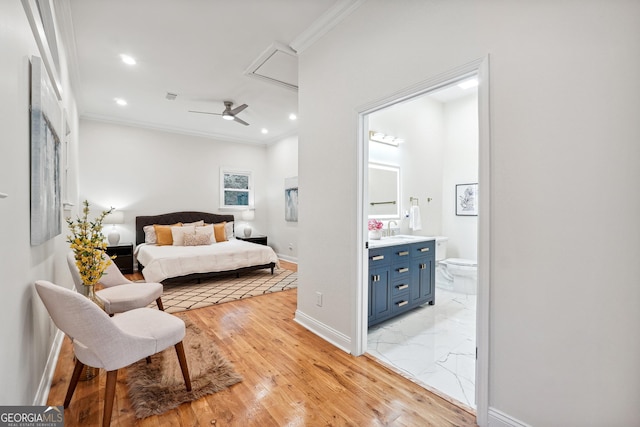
(163, 262)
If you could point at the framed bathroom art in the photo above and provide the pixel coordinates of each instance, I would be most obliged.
(467, 199)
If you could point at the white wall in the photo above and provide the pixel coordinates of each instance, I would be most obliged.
(148, 172)
(564, 154)
(460, 167)
(27, 333)
(282, 161)
(420, 123)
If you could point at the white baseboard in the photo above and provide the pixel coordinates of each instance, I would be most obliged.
(325, 332)
(500, 419)
(42, 394)
(287, 258)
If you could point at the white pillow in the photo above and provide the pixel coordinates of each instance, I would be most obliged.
(228, 230)
(195, 224)
(149, 234)
(206, 230)
(178, 234)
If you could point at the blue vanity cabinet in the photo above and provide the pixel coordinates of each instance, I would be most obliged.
(379, 284)
(423, 259)
(401, 277)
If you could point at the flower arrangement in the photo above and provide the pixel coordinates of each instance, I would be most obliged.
(374, 224)
(88, 245)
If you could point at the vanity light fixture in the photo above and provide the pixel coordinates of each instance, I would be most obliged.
(127, 59)
(468, 84)
(385, 139)
(121, 102)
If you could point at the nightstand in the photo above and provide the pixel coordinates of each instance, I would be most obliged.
(259, 239)
(124, 256)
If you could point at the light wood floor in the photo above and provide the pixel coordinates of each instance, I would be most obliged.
(290, 377)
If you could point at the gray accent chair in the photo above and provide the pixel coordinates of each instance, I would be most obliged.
(119, 293)
(110, 343)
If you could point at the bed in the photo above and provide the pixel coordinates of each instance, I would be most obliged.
(161, 263)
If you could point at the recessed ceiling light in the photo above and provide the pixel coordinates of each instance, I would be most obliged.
(129, 60)
(120, 101)
(265, 131)
(292, 116)
(468, 84)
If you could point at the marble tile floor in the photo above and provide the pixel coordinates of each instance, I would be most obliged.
(433, 345)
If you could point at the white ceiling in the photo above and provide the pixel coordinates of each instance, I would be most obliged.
(199, 50)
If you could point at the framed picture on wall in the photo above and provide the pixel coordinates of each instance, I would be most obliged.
(467, 199)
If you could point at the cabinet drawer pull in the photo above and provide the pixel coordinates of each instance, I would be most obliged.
(401, 287)
(423, 266)
(377, 257)
(403, 253)
(375, 278)
(403, 270)
(424, 249)
(401, 303)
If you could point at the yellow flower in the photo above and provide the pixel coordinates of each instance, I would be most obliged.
(88, 245)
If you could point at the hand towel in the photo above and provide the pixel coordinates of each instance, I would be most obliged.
(415, 223)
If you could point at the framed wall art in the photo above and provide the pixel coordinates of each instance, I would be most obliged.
(467, 199)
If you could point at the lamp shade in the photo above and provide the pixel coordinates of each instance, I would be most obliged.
(115, 217)
(249, 215)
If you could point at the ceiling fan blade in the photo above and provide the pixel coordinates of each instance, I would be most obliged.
(240, 121)
(238, 109)
(205, 112)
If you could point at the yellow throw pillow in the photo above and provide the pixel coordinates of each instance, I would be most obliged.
(218, 231)
(163, 233)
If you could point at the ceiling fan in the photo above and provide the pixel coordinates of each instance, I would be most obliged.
(228, 113)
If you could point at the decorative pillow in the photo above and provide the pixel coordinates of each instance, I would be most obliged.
(197, 239)
(178, 233)
(228, 230)
(149, 234)
(206, 230)
(218, 231)
(163, 233)
(195, 224)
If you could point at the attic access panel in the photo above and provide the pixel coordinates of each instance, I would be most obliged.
(278, 65)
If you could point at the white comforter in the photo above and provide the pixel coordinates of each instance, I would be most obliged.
(163, 262)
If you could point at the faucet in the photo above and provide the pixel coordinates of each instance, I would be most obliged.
(389, 227)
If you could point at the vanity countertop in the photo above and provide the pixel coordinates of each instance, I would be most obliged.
(401, 239)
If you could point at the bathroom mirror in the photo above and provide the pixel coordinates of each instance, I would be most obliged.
(384, 191)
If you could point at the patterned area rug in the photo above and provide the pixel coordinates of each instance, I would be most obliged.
(190, 294)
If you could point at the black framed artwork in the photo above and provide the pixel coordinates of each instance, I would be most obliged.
(467, 199)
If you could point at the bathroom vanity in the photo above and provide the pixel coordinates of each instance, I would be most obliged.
(401, 275)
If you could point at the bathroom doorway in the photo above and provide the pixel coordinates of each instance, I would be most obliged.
(403, 341)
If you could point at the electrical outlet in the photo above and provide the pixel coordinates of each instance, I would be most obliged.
(319, 299)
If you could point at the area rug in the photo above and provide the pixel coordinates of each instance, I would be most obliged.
(157, 387)
(190, 295)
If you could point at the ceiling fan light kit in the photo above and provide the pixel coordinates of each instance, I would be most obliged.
(228, 113)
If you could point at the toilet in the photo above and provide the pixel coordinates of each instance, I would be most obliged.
(455, 274)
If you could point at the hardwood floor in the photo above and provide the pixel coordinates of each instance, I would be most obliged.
(290, 377)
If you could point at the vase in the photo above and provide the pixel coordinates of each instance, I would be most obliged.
(375, 234)
(91, 294)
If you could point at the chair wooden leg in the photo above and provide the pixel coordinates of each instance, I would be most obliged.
(183, 365)
(109, 395)
(77, 370)
(160, 305)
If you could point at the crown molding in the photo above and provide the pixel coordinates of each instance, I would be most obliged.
(324, 23)
(172, 129)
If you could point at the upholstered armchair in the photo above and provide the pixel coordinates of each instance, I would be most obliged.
(110, 343)
(119, 293)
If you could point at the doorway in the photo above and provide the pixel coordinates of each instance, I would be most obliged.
(478, 68)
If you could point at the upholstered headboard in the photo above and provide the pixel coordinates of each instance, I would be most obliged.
(174, 217)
